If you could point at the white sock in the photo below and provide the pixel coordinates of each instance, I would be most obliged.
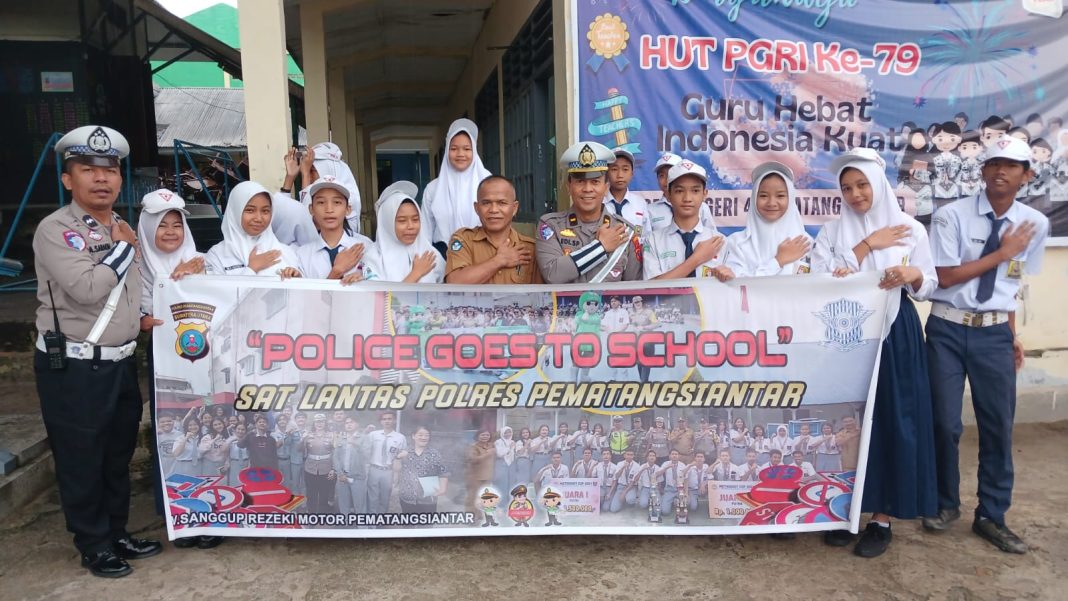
(883, 524)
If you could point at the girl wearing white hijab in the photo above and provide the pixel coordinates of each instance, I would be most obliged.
(874, 234)
(167, 249)
(503, 472)
(404, 247)
(774, 241)
(249, 246)
(449, 200)
(324, 159)
(167, 246)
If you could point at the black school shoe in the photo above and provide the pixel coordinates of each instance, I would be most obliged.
(106, 564)
(874, 541)
(186, 543)
(209, 542)
(942, 521)
(999, 536)
(129, 547)
(837, 538)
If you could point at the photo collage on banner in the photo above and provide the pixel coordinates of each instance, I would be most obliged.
(304, 408)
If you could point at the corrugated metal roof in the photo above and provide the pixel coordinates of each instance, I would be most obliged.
(206, 116)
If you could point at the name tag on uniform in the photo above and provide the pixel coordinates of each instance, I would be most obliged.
(665, 255)
(1015, 269)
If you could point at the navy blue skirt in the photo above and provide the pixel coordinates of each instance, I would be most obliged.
(901, 480)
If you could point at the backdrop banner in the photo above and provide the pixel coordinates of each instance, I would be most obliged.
(730, 84)
(305, 408)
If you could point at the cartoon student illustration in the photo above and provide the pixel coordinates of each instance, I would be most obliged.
(551, 501)
(946, 137)
(490, 500)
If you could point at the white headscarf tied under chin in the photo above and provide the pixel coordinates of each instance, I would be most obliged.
(397, 256)
(455, 192)
(884, 211)
(237, 245)
(759, 242)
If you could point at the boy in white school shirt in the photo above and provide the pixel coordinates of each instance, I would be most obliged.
(687, 248)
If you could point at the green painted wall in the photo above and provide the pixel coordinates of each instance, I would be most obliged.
(219, 21)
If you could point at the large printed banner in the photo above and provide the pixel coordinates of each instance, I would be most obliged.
(733, 83)
(304, 408)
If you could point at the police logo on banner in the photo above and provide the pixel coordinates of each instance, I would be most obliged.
(844, 319)
(192, 329)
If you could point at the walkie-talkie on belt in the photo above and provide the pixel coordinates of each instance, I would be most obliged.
(55, 342)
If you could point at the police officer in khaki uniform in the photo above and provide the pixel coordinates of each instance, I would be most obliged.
(494, 252)
(89, 286)
(587, 243)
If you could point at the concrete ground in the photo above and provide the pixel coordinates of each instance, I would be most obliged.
(37, 560)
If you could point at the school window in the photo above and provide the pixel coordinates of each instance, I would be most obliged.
(529, 126)
(274, 301)
(226, 375)
(247, 364)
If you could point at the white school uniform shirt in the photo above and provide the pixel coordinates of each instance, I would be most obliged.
(784, 444)
(550, 472)
(694, 477)
(723, 472)
(762, 446)
(584, 471)
(958, 232)
(658, 215)
(315, 257)
(827, 445)
(647, 479)
(603, 472)
(616, 320)
(733, 433)
(384, 447)
(673, 476)
(632, 208)
(807, 470)
(743, 469)
(803, 443)
(625, 476)
(665, 250)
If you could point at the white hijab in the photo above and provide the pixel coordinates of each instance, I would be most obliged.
(396, 256)
(884, 212)
(154, 261)
(328, 162)
(452, 203)
(504, 450)
(759, 242)
(237, 245)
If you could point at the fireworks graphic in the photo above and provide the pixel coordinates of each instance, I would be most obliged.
(972, 52)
